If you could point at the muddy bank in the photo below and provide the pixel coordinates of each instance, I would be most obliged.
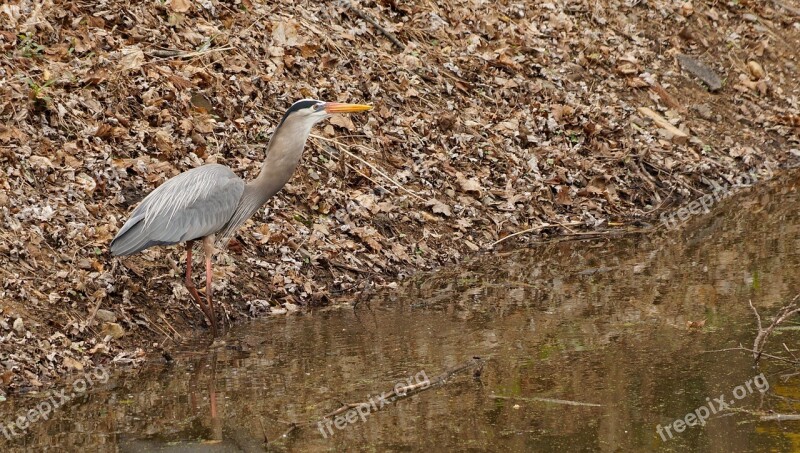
(591, 345)
(492, 119)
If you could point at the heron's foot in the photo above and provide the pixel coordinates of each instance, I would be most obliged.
(213, 318)
(207, 309)
(202, 305)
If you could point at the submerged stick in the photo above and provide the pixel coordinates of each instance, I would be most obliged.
(780, 417)
(752, 351)
(409, 390)
(545, 400)
(396, 393)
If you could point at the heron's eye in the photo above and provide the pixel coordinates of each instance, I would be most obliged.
(319, 107)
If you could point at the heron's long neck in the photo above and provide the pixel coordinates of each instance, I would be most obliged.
(283, 156)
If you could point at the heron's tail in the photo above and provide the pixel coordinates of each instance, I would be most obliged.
(131, 238)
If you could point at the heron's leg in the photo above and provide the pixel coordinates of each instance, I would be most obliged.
(208, 248)
(190, 285)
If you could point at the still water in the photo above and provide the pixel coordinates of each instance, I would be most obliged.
(585, 345)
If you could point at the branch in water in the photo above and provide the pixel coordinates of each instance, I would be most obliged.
(763, 334)
(397, 393)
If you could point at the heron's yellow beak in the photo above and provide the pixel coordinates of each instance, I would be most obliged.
(335, 107)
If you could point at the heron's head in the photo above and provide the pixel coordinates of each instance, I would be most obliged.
(311, 111)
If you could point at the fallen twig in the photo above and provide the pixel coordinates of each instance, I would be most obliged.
(678, 136)
(373, 167)
(330, 150)
(362, 14)
(667, 98)
(790, 9)
(170, 53)
(530, 230)
(335, 263)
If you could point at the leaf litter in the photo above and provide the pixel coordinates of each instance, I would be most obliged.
(494, 120)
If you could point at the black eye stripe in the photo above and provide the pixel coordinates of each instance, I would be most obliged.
(299, 105)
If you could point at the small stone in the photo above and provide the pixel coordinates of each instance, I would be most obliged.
(3, 199)
(700, 70)
(106, 316)
(19, 325)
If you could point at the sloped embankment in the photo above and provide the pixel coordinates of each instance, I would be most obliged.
(491, 118)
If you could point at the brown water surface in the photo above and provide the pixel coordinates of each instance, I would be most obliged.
(586, 348)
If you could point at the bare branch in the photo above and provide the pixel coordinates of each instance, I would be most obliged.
(763, 334)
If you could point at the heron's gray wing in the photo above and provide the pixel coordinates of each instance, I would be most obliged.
(192, 205)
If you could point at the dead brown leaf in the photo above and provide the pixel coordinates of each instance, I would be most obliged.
(468, 184)
(180, 6)
(696, 324)
(437, 207)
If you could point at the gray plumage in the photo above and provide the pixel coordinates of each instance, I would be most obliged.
(192, 205)
(211, 202)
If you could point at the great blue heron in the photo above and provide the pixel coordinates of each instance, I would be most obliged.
(211, 199)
